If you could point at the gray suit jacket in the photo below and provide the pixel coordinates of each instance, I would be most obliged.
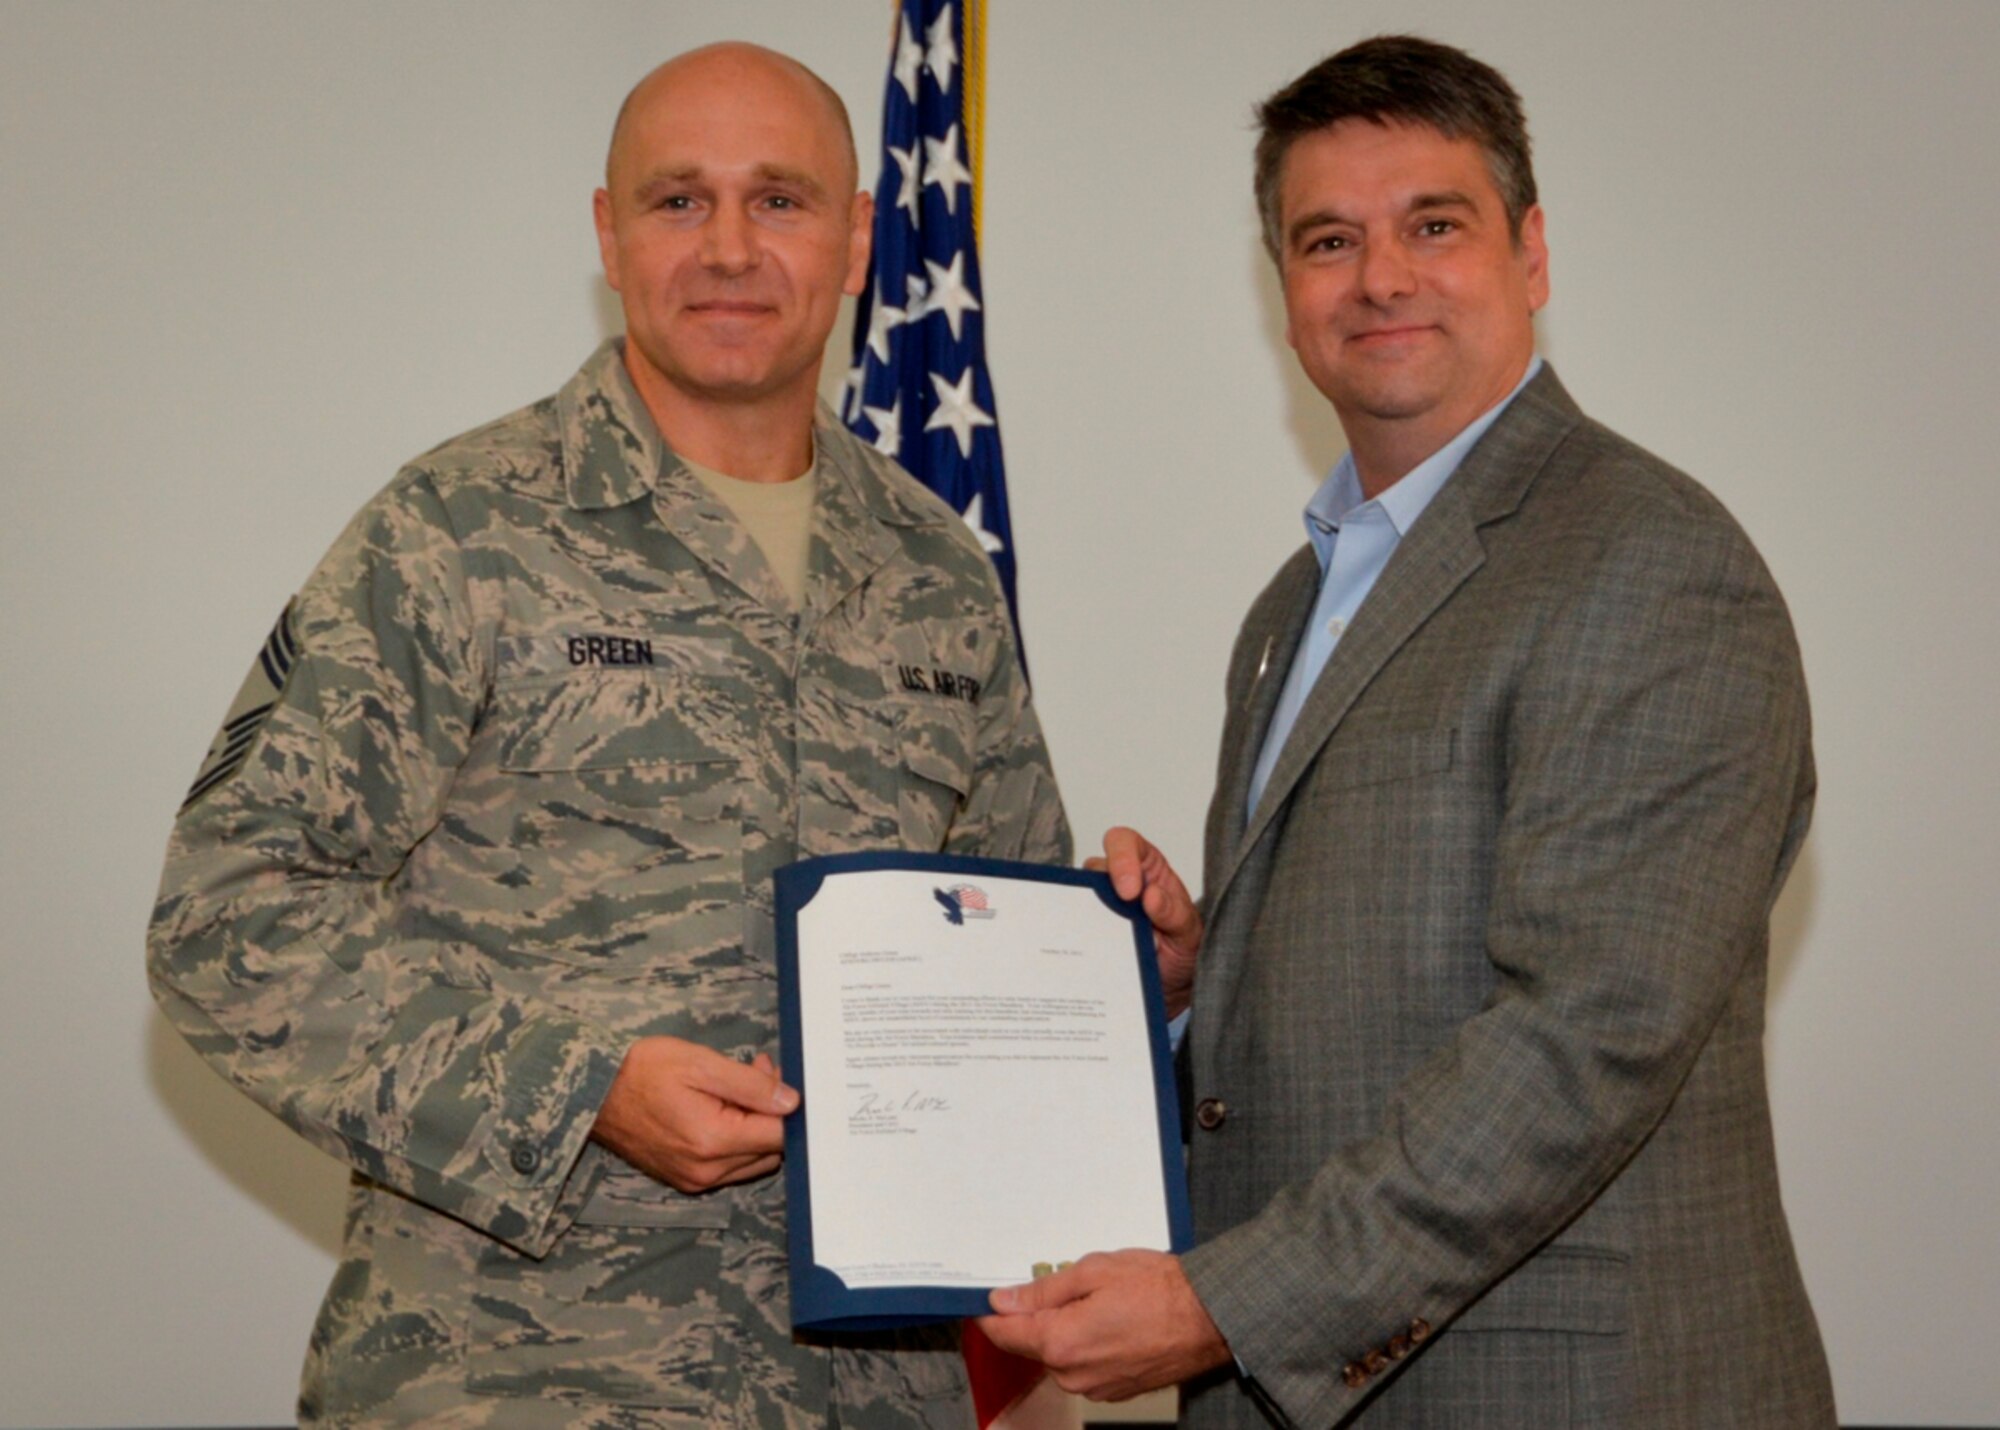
(1481, 1132)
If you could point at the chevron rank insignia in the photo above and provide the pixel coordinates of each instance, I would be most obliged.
(252, 707)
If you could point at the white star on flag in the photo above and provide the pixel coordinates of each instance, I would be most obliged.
(909, 61)
(976, 519)
(943, 53)
(907, 194)
(949, 295)
(850, 390)
(941, 167)
(957, 411)
(916, 306)
(879, 322)
(889, 429)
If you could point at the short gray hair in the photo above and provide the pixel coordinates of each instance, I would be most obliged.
(1399, 79)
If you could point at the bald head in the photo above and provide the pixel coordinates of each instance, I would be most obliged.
(730, 227)
(745, 68)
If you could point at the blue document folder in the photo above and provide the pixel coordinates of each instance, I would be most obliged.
(953, 891)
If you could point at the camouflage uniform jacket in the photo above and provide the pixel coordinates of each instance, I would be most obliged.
(504, 792)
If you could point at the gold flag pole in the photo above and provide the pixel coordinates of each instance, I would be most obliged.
(974, 62)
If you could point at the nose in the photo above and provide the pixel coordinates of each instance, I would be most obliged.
(1386, 271)
(729, 242)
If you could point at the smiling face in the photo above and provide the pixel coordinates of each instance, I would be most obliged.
(729, 226)
(1407, 298)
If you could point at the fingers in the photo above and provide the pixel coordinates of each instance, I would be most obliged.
(693, 1118)
(1017, 1335)
(747, 1171)
(1168, 906)
(753, 1086)
(1140, 871)
(1125, 855)
(1044, 1293)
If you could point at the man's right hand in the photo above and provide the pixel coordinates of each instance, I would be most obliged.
(1140, 871)
(692, 1118)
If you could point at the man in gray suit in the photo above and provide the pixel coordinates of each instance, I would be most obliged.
(1516, 761)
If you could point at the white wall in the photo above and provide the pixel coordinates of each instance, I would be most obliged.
(252, 256)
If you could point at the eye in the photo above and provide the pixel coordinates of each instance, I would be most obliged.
(1326, 243)
(676, 203)
(1437, 227)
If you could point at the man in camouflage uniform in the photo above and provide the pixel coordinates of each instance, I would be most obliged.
(474, 889)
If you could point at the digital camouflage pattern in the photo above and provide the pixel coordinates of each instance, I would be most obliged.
(504, 792)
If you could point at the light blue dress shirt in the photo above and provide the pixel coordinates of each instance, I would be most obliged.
(1354, 540)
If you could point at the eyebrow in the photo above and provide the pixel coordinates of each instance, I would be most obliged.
(660, 180)
(1443, 199)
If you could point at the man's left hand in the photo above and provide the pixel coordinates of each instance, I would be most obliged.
(1115, 1325)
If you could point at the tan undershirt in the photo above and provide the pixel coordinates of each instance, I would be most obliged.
(778, 516)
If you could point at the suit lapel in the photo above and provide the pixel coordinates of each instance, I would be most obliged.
(1440, 552)
(1276, 642)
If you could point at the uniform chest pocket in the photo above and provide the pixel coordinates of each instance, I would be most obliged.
(621, 802)
(935, 742)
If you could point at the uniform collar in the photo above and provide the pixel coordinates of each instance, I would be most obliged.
(613, 453)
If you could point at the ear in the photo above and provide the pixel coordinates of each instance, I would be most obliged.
(1534, 253)
(860, 243)
(607, 236)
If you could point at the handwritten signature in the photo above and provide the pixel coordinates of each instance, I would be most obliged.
(879, 1104)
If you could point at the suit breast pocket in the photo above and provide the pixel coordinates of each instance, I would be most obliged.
(1389, 757)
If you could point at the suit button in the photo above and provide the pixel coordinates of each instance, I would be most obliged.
(1420, 1331)
(1210, 1113)
(1353, 1376)
(1374, 1362)
(524, 1157)
(1398, 1347)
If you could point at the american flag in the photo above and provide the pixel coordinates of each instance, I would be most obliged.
(918, 388)
(970, 897)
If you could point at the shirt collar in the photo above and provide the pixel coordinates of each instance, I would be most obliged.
(612, 451)
(1339, 496)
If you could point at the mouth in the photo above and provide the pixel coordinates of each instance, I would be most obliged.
(727, 308)
(1400, 335)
